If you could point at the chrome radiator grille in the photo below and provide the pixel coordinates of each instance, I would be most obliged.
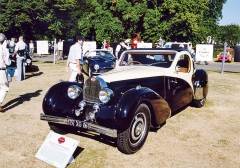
(91, 90)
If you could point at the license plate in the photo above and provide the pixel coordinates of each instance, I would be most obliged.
(75, 123)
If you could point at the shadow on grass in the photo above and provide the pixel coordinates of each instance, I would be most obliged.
(219, 71)
(57, 62)
(97, 137)
(21, 99)
(34, 71)
(77, 152)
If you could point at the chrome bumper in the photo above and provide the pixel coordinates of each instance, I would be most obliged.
(90, 126)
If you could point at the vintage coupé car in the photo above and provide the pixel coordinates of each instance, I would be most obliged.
(98, 61)
(125, 102)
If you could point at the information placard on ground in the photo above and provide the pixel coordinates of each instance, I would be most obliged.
(57, 150)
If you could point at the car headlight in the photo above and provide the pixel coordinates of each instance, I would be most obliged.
(96, 67)
(74, 91)
(113, 65)
(28, 61)
(105, 95)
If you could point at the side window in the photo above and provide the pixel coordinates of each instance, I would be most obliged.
(184, 63)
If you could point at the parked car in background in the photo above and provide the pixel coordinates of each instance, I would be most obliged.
(98, 61)
(175, 45)
(228, 57)
(125, 102)
(28, 62)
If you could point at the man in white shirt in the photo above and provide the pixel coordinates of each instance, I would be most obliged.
(60, 49)
(75, 58)
(20, 51)
(120, 48)
(4, 61)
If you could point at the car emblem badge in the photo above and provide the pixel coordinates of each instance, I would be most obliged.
(61, 140)
(93, 79)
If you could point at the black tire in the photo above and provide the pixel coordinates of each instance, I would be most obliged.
(199, 103)
(132, 139)
(57, 128)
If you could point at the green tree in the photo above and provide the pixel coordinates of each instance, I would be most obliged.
(40, 19)
(172, 20)
(229, 34)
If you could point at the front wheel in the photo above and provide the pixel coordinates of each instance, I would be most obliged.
(132, 139)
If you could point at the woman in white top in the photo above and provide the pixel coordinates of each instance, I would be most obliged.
(31, 48)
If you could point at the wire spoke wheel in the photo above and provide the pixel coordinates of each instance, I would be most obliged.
(133, 138)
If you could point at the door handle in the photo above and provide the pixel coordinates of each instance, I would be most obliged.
(173, 81)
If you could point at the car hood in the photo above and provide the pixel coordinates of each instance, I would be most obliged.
(101, 60)
(132, 72)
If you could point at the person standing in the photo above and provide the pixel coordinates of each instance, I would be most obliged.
(75, 58)
(181, 46)
(31, 48)
(4, 61)
(12, 45)
(60, 49)
(20, 52)
(199, 62)
(120, 48)
(159, 43)
(136, 39)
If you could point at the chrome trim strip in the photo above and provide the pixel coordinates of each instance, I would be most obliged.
(91, 126)
(102, 82)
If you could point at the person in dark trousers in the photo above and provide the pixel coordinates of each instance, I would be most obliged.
(21, 50)
(199, 62)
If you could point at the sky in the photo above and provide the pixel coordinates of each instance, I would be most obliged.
(231, 13)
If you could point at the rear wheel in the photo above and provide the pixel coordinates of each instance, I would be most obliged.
(132, 139)
(199, 103)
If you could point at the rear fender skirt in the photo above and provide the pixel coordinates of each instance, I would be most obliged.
(200, 84)
(160, 110)
(56, 101)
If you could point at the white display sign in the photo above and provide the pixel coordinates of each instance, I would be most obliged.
(42, 47)
(144, 45)
(57, 150)
(89, 45)
(204, 52)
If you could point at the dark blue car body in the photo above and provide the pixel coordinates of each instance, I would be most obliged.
(98, 61)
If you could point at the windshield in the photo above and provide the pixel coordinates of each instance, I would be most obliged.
(98, 53)
(160, 60)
